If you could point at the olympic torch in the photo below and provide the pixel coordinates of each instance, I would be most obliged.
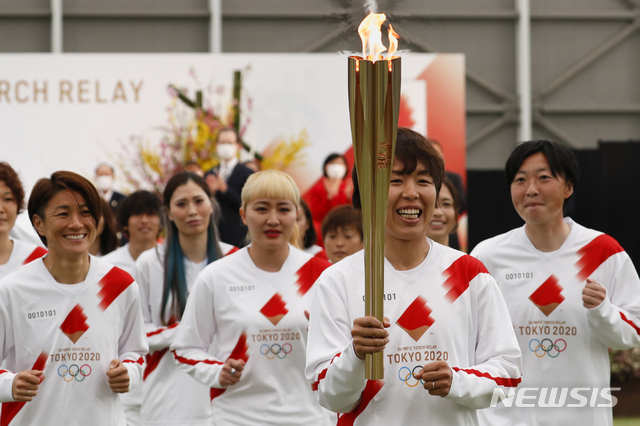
(374, 104)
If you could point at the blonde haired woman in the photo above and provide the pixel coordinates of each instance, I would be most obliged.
(251, 305)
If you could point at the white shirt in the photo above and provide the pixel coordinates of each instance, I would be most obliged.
(21, 254)
(170, 396)
(446, 309)
(564, 344)
(121, 258)
(239, 311)
(73, 336)
(226, 167)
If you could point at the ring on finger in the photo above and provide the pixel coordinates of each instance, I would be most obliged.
(434, 385)
(233, 371)
(29, 392)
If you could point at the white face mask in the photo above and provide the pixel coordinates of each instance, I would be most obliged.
(226, 151)
(336, 171)
(104, 183)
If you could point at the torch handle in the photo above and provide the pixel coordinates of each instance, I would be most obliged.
(374, 100)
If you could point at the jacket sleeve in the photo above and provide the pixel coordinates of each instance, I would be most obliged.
(6, 341)
(336, 374)
(616, 321)
(158, 337)
(497, 361)
(195, 334)
(132, 346)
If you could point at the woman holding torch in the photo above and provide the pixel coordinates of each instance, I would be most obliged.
(249, 308)
(70, 324)
(449, 341)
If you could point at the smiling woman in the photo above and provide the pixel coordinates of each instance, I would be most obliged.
(90, 307)
(445, 216)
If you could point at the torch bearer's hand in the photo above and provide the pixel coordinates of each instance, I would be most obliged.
(369, 335)
(437, 377)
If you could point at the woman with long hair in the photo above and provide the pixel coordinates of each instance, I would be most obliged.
(307, 237)
(70, 323)
(107, 238)
(13, 252)
(166, 275)
(244, 330)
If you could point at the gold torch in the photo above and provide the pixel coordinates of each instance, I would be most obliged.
(374, 104)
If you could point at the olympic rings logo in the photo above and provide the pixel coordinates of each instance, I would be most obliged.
(74, 372)
(407, 376)
(276, 350)
(552, 349)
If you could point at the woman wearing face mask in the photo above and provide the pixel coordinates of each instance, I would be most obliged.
(165, 275)
(13, 253)
(332, 190)
(249, 308)
(225, 183)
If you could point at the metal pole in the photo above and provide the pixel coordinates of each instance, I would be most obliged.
(56, 26)
(523, 65)
(215, 26)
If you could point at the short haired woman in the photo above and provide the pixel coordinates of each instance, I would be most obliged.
(70, 324)
(572, 292)
(255, 302)
(342, 233)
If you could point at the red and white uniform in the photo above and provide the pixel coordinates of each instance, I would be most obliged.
(72, 332)
(448, 309)
(21, 254)
(240, 311)
(169, 396)
(317, 251)
(131, 401)
(564, 344)
(121, 257)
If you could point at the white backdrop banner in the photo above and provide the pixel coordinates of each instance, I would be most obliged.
(72, 111)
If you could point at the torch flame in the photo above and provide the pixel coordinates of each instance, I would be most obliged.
(393, 42)
(371, 36)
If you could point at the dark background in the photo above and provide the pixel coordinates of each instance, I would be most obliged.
(607, 198)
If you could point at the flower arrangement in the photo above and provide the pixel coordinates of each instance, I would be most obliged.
(189, 137)
(286, 154)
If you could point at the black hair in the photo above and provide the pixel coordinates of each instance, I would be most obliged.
(342, 217)
(562, 162)
(411, 149)
(109, 236)
(329, 159)
(140, 202)
(46, 188)
(175, 281)
(310, 237)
